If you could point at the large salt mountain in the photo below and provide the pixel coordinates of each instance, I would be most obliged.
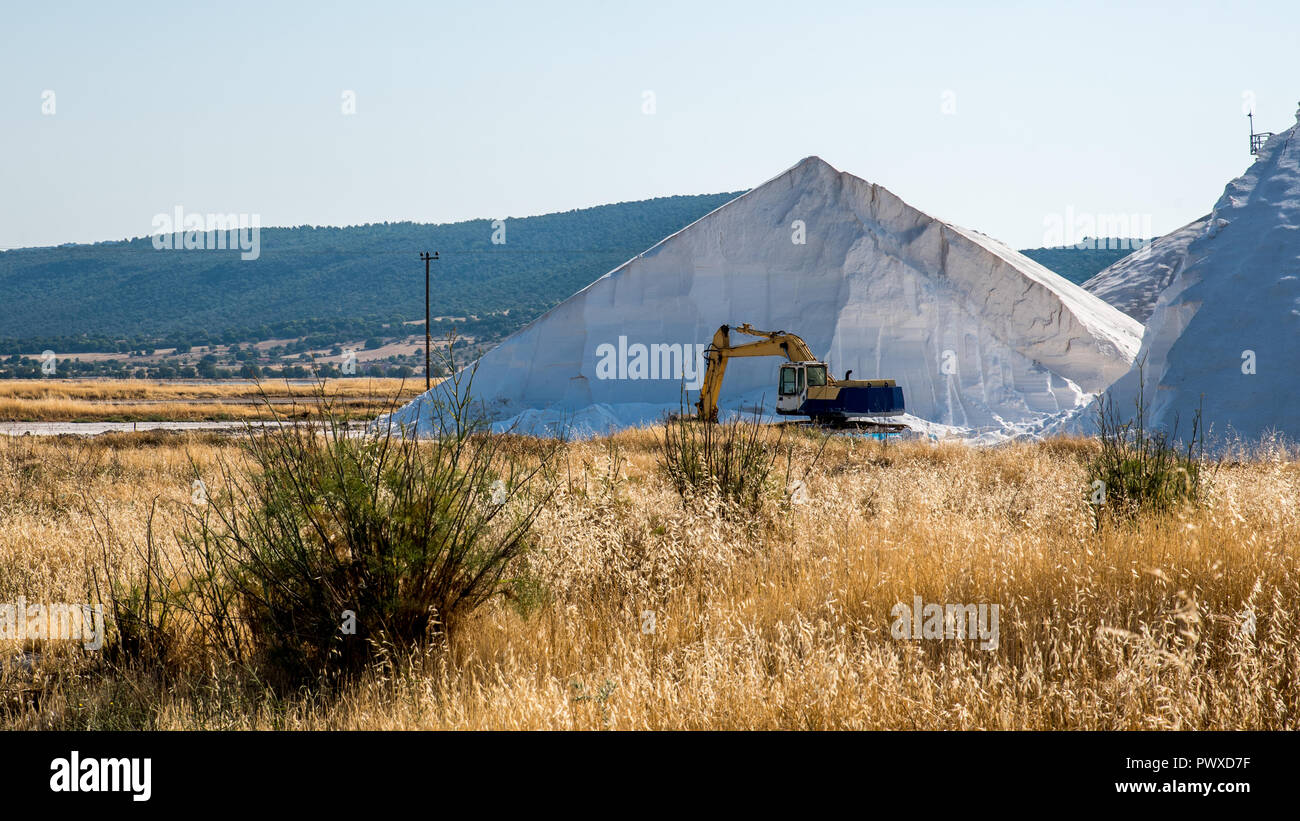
(1226, 329)
(979, 337)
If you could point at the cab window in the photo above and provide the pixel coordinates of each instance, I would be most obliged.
(816, 375)
(788, 386)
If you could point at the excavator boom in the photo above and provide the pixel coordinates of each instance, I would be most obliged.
(773, 343)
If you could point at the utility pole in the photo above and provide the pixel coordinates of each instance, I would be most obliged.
(428, 332)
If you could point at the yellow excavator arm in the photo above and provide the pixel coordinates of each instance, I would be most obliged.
(769, 343)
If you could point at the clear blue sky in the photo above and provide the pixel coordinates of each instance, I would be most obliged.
(480, 109)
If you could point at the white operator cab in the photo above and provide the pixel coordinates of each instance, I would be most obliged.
(793, 384)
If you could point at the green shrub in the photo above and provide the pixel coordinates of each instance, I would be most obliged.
(396, 537)
(734, 460)
(1140, 469)
(325, 549)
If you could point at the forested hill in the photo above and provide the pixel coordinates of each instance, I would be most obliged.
(311, 281)
(1079, 264)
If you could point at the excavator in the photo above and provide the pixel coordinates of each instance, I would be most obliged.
(805, 386)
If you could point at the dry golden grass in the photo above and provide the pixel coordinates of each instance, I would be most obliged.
(781, 620)
(85, 400)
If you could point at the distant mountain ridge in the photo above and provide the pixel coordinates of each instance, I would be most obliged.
(344, 281)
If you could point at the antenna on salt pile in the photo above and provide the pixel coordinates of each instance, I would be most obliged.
(1256, 140)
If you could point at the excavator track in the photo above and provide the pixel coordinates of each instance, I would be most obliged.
(860, 425)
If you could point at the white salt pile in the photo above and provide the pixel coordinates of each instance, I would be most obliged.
(1226, 329)
(985, 342)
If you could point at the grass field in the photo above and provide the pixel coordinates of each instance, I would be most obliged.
(86, 400)
(651, 613)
